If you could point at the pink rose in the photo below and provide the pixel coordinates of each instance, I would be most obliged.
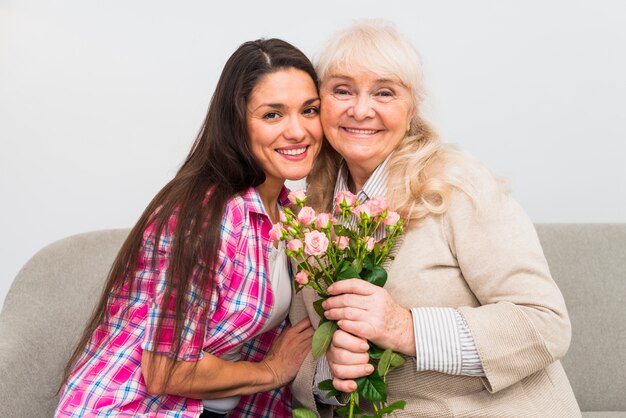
(369, 244)
(378, 204)
(361, 210)
(392, 218)
(345, 198)
(297, 196)
(342, 242)
(282, 216)
(315, 243)
(276, 233)
(302, 277)
(306, 216)
(323, 219)
(295, 245)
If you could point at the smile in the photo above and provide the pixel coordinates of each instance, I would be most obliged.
(361, 131)
(292, 151)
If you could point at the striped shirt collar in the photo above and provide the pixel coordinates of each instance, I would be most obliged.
(376, 184)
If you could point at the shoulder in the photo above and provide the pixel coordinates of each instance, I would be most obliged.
(474, 186)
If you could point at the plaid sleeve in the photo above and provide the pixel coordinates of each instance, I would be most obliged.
(195, 317)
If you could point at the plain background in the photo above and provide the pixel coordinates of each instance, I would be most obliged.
(101, 100)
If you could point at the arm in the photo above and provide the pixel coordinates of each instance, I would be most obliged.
(500, 259)
(522, 324)
(210, 377)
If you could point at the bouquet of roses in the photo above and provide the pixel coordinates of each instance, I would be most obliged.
(329, 248)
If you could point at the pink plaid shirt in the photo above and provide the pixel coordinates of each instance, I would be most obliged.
(108, 381)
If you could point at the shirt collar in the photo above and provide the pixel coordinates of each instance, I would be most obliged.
(376, 184)
(253, 202)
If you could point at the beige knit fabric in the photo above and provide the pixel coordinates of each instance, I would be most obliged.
(485, 260)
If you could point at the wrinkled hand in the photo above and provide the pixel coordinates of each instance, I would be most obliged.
(289, 351)
(348, 359)
(369, 312)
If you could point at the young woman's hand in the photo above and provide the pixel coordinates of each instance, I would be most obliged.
(289, 351)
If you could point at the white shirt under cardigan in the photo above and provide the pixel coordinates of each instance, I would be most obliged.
(443, 340)
(281, 289)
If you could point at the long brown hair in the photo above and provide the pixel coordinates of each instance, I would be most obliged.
(220, 161)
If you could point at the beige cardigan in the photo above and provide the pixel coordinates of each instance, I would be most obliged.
(488, 263)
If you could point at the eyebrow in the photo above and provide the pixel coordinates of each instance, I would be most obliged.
(281, 106)
(378, 80)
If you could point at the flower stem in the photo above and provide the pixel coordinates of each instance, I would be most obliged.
(353, 397)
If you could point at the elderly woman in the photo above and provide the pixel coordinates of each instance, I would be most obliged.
(469, 300)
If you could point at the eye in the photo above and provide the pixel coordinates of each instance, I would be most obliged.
(313, 110)
(342, 93)
(271, 115)
(385, 95)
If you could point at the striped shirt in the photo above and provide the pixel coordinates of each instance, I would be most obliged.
(443, 340)
(108, 380)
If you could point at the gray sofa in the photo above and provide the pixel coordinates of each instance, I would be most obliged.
(53, 294)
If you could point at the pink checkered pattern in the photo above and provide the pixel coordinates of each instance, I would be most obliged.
(108, 381)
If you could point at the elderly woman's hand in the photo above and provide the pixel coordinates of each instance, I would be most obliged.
(369, 312)
(348, 359)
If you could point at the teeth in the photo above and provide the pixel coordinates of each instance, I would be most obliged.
(361, 131)
(296, 151)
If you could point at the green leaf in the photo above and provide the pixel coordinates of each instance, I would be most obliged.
(372, 387)
(322, 338)
(347, 272)
(302, 413)
(377, 276)
(368, 263)
(317, 305)
(397, 360)
(341, 230)
(344, 411)
(385, 362)
(375, 352)
(390, 408)
(327, 386)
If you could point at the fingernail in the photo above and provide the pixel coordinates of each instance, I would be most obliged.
(369, 368)
(365, 347)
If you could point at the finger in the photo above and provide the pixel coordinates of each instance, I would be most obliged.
(361, 329)
(351, 371)
(349, 313)
(343, 357)
(344, 385)
(349, 342)
(357, 286)
(302, 325)
(347, 300)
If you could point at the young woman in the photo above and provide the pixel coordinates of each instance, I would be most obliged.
(195, 302)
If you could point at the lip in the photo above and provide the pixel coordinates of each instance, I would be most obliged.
(294, 152)
(359, 131)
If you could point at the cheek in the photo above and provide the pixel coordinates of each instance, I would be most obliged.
(330, 113)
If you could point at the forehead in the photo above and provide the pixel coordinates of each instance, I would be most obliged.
(282, 86)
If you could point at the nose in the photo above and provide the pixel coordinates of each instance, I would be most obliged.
(362, 107)
(294, 129)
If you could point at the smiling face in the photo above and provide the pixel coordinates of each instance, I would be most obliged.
(284, 125)
(365, 116)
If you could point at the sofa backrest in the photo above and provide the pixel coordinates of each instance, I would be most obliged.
(53, 295)
(43, 316)
(588, 262)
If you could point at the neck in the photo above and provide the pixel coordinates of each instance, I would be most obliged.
(269, 192)
(357, 177)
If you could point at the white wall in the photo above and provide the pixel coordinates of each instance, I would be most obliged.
(100, 100)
